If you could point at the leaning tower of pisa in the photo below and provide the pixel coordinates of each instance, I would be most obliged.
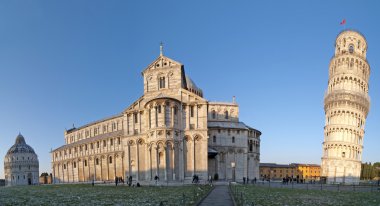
(346, 107)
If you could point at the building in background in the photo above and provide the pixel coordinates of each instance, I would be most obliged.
(21, 165)
(308, 171)
(171, 132)
(298, 171)
(346, 106)
(273, 171)
(45, 178)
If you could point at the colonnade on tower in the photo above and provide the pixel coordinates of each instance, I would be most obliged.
(346, 105)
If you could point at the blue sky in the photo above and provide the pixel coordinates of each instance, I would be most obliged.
(65, 62)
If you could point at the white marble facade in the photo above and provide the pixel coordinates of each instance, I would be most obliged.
(21, 165)
(346, 108)
(171, 131)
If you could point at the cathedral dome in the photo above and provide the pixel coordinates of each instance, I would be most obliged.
(20, 146)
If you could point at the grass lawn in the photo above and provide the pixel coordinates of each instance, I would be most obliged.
(285, 196)
(100, 195)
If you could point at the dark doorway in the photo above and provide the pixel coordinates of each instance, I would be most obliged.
(29, 178)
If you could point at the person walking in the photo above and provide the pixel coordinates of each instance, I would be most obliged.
(130, 181)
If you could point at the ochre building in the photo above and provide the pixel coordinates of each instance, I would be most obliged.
(346, 108)
(295, 170)
(171, 131)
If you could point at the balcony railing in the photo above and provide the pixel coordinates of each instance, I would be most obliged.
(343, 91)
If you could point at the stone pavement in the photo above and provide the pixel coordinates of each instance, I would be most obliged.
(220, 196)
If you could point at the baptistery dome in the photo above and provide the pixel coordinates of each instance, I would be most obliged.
(21, 165)
(20, 146)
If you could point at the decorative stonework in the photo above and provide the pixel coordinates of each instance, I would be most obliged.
(21, 165)
(166, 132)
(346, 108)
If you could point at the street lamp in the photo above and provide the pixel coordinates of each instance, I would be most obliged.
(233, 170)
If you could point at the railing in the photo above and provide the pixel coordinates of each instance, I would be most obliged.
(349, 55)
(240, 197)
(343, 91)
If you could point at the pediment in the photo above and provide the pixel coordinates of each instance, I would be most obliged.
(162, 62)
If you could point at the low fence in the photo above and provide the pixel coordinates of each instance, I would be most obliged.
(238, 196)
(240, 199)
(321, 186)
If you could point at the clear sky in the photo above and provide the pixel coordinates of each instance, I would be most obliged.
(65, 62)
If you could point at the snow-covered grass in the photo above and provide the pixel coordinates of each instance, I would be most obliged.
(101, 195)
(286, 196)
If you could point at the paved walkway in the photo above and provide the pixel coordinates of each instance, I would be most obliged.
(220, 196)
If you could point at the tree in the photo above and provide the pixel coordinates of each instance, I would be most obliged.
(44, 174)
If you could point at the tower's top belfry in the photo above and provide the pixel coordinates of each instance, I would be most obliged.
(351, 42)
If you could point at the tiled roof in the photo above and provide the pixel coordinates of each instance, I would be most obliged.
(95, 122)
(91, 139)
(275, 165)
(231, 125)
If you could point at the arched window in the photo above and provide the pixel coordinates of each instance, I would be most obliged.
(351, 49)
(159, 109)
(162, 82)
(135, 118)
(226, 114)
(160, 158)
(97, 161)
(191, 111)
(110, 161)
(64, 166)
(213, 114)
(85, 163)
(75, 165)
(214, 139)
(250, 145)
(233, 139)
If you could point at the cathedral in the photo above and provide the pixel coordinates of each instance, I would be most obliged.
(171, 132)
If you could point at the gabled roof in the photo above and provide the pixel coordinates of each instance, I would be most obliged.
(133, 104)
(91, 139)
(159, 59)
(93, 123)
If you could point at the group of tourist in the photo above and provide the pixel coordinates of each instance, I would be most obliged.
(286, 180)
(119, 179)
(195, 179)
(246, 180)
